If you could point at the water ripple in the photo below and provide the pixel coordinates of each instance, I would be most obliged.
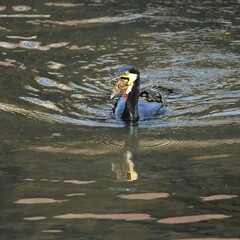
(47, 82)
(191, 219)
(25, 15)
(45, 104)
(21, 8)
(58, 4)
(39, 201)
(188, 59)
(22, 37)
(144, 196)
(32, 45)
(55, 231)
(2, 8)
(100, 20)
(35, 218)
(116, 216)
(219, 197)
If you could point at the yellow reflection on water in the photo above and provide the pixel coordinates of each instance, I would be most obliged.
(124, 169)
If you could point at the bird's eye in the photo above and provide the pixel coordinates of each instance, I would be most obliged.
(125, 73)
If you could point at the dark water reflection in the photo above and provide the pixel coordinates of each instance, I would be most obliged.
(68, 170)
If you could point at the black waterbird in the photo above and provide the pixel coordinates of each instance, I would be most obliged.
(136, 104)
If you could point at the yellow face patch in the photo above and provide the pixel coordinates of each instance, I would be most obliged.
(124, 84)
(131, 79)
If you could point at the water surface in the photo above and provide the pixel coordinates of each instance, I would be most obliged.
(69, 170)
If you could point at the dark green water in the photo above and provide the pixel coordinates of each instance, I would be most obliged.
(68, 170)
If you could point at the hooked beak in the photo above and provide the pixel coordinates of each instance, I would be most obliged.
(120, 87)
(124, 84)
(114, 93)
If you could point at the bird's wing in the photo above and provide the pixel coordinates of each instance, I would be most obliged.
(151, 94)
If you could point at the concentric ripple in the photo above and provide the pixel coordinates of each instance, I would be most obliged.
(66, 76)
(88, 103)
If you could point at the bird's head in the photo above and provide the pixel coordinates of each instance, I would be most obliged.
(126, 77)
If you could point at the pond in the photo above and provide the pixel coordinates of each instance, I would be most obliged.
(69, 170)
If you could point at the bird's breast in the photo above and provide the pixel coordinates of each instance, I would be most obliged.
(146, 110)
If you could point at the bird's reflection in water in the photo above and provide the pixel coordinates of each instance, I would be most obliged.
(124, 169)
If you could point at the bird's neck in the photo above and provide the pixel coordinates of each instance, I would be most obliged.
(130, 113)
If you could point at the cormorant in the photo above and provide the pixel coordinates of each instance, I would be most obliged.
(136, 104)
